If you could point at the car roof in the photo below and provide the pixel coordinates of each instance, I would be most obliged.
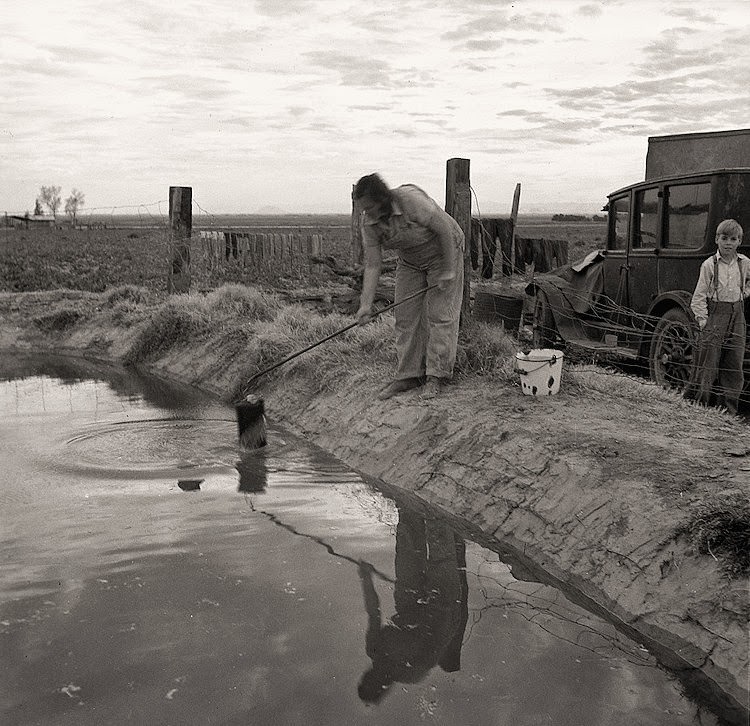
(680, 177)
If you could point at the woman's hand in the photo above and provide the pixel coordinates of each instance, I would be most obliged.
(364, 314)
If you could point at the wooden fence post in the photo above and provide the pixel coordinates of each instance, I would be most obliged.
(458, 205)
(180, 230)
(513, 218)
(356, 234)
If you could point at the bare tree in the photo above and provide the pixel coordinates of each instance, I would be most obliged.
(50, 197)
(73, 203)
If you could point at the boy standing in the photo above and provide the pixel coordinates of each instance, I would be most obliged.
(718, 304)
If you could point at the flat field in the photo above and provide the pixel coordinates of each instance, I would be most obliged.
(115, 251)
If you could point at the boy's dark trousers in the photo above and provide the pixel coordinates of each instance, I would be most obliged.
(721, 352)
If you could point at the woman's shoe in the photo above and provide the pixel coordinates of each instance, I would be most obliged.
(398, 386)
(432, 387)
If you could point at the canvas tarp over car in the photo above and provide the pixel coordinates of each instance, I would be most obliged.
(573, 290)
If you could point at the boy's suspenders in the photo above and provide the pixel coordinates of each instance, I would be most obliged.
(716, 279)
(742, 281)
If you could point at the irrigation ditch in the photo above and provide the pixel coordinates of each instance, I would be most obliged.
(584, 490)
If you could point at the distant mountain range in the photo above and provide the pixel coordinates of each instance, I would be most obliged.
(271, 210)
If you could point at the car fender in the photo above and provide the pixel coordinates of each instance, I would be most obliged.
(674, 298)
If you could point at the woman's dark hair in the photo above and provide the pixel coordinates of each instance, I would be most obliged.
(374, 187)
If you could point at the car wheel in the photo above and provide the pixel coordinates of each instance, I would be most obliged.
(544, 330)
(672, 355)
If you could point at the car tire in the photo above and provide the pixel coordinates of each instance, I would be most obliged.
(672, 354)
(544, 330)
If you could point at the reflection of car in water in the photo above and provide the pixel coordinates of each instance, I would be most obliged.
(632, 299)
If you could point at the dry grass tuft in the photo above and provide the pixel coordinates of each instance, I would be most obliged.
(134, 294)
(487, 350)
(59, 320)
(242, 303)
(720, 526)
(296, 327)
(180, 320)
(230, 313)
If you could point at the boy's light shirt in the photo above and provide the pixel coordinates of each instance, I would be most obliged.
(729, 289)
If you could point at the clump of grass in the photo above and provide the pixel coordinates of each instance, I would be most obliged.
(242, 303)
(127, 293)
(179, 321)
(486, 350)
(720, 526)
(59, 320)
(127, 313)
(296, 327)
(293, 328)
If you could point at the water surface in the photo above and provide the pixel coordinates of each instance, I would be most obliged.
(152, 572)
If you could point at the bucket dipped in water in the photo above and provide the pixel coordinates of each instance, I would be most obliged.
(540, 370)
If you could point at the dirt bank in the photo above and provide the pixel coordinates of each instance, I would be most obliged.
(583, 484)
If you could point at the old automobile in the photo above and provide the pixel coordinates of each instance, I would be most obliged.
(631, 300)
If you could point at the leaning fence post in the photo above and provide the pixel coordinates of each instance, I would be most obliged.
(180, 230)
(513, 219)
(458, 205)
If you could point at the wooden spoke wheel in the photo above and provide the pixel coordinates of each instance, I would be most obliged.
(672, 357)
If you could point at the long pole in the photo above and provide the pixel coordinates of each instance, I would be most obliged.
(334, 334)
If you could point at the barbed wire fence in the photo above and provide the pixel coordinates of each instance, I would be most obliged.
(602, 311)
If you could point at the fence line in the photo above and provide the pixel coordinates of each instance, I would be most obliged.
(260, 252)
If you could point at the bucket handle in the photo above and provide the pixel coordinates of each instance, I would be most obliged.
(549, 362)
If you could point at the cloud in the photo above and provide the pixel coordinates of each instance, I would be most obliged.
(75, 54)
(474, 66)
(239, 121)
(521, 113)
(682, 79)
(371, 107)
(186, 85)
(299, 110)
(690, 14)
(282, 8)
(590, 10)
(488, 23)
(497, 29)
(15, 71)
(408, 133)
(355, 70)
(667, 56)
(537, 22)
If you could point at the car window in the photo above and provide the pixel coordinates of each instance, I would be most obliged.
(646, 218)
(687, 215)
(619, 219)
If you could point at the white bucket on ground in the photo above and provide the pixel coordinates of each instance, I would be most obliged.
(540, 370)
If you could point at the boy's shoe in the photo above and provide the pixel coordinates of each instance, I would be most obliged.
(432, 387)
(398, 386)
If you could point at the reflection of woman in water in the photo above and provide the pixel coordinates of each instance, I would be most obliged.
(431, 607)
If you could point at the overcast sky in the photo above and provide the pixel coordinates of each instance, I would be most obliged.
(285, 103)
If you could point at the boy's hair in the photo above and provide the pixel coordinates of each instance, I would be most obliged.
(729, 227)
(372, 186)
